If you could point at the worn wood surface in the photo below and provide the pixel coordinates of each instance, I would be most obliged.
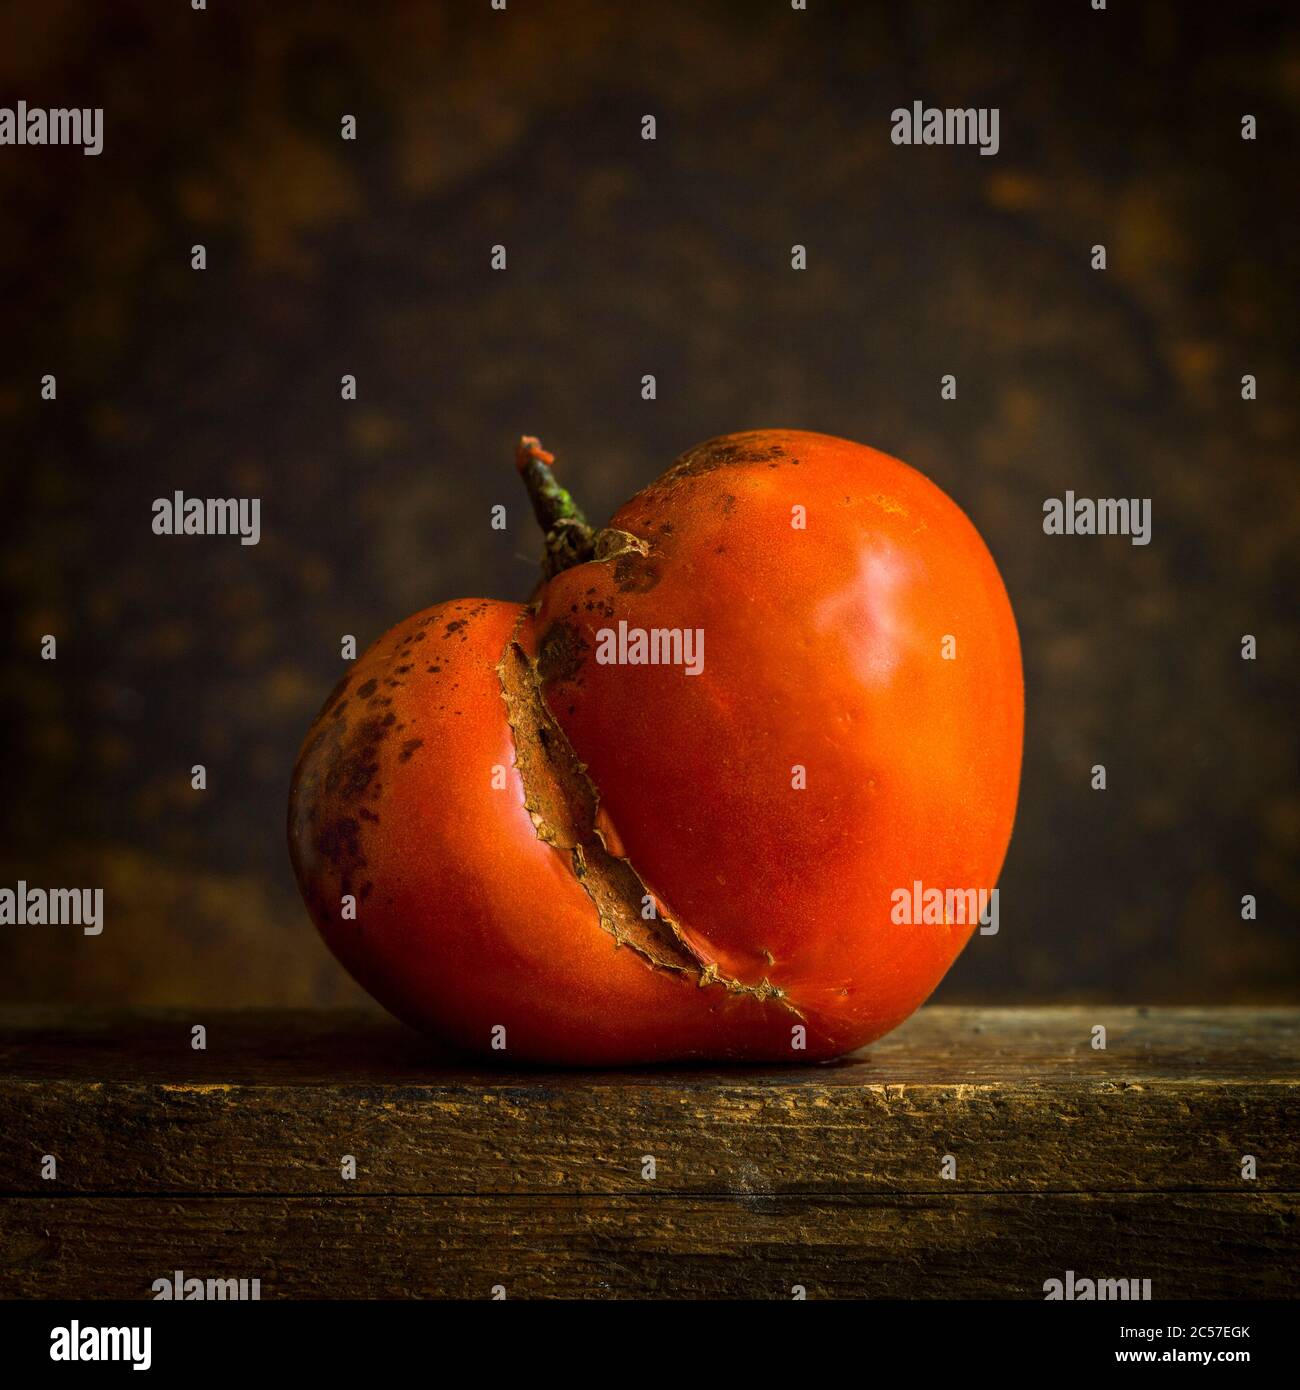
(1125, 1162)
(1019, 1097)
(939, 1246)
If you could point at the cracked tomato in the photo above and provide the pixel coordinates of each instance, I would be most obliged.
(681, 803)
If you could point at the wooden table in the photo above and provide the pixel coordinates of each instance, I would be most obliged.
(1122, 1163)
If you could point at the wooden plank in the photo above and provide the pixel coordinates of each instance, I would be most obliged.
(1018, 1097)
(937, 1045)
(961, 1246)
(788, 1139)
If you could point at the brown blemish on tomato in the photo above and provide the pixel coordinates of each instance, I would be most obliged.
(727, 451)
(635, 574)
(340, 843)
(561, 653)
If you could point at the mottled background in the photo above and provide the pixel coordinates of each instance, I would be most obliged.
(629, 257)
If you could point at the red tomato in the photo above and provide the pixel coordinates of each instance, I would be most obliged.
(672, 807)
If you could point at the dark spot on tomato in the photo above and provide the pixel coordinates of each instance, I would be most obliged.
(353, 774)
(560, 655)
(352, 763)
(408, 748)
(367, 690)
(635, 573)
(340, 843)
(728, 451)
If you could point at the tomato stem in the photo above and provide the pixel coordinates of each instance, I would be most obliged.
(569, 539)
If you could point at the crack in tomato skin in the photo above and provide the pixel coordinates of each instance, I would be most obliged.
(465, 920)
(611, 543)
(564, 806)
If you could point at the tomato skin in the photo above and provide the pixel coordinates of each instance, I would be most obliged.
(465, 919)
(822, 650)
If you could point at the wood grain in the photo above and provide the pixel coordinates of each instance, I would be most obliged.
(958, 1246)
(1122, 1163)
(1018, 1097)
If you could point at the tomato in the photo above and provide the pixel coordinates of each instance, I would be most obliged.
(670, 808)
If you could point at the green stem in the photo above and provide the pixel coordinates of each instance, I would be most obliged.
(569, 539)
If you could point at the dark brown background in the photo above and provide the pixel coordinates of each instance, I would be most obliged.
(629, 257)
